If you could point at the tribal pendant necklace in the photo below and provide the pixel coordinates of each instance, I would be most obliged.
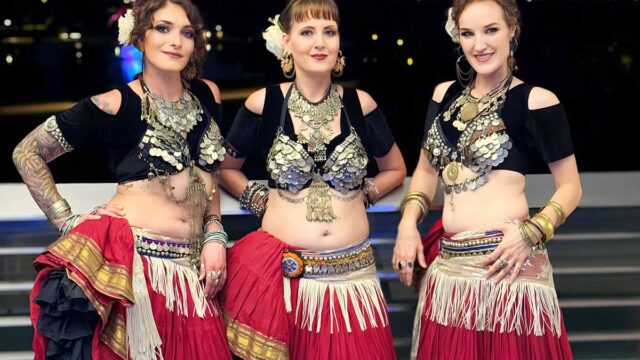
(318, 201)
(169, 123)
(467, 107)
(317, 117)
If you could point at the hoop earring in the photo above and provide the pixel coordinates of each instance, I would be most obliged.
(464, 77)
(511, 60)
(338, 68)
(286, 63)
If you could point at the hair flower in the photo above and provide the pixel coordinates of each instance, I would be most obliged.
(451, 28)
(125, 27)
(273, 37)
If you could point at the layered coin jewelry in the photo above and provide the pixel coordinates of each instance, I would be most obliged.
(317, 117)
(482, 145)
(467, 107)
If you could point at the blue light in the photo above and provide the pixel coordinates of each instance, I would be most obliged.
(131, 61)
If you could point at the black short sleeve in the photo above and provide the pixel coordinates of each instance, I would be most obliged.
(432, 112)
(550, 130)
(379, 136)
(84, 124)
(243, 132)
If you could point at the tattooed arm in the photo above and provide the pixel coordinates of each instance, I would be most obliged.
(46, 143)
(31, 157)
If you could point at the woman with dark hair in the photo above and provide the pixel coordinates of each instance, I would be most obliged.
(489, 292)
(304, 286)
(124, 281)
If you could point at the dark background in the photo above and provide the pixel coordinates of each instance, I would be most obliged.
(587, 52)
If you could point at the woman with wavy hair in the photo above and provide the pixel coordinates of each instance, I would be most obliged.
(125, 281)
(488, 292)
(304, 286)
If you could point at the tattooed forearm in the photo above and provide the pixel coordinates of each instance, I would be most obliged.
(31, 157)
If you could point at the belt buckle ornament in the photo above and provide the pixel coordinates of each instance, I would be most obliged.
(292, 266)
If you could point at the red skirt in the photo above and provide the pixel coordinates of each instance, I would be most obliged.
(98, 258)
(455, 321)
(328, 325)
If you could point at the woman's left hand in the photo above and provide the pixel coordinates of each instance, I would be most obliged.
(509, 256)
(213, 268)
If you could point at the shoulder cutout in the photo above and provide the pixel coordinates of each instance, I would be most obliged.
(366, 102)
(440, 90)
(108, 102)
(255, 101)
(214, 89)
(541, 98)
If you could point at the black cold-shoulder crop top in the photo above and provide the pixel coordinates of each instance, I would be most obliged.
(517, 139)
(126, 136)
(288, 162)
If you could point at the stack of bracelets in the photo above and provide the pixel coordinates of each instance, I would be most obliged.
(254, 198)
(55, 211)
(214, 236)
(371, 194)
(541, 224)
(419, 198)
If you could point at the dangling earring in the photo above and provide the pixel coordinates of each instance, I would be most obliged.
(464, 77)
(511, 60)
(338, 68)
(286, 63)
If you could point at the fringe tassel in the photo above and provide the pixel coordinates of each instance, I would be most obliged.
(287, 294)
(456, 300)
(164, 273)
(363, 293)
(417, 321)
(142, 335)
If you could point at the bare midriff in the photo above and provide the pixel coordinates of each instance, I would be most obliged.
(501, 199)
(147, 206)
(288, 222)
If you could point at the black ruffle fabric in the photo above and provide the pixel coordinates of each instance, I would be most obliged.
(67, 318)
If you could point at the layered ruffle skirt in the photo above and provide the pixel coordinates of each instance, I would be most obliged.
(96, 297)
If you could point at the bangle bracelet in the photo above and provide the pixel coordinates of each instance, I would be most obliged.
(56, 209)
(544, 222)
(525, 235)
(562, 215)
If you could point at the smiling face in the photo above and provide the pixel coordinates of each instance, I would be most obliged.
(314, 45)
(170, 42)
(485, 37)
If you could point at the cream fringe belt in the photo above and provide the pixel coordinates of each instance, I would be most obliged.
(459, 296)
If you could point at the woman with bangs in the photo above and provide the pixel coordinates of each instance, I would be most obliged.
(488, 292)
(123, 281)
(304, 286)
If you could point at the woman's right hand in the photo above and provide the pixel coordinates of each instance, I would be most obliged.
(112, 210)
(408, 248)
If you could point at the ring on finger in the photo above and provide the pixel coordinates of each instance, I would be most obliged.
(214, 275)
(502, 264)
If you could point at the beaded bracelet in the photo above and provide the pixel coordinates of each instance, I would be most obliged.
(254, 198)
(212, 219)
(371, 193)
(216, 236)
(68, 223)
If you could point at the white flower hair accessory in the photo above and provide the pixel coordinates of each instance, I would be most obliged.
(451, 28)
(273, 37)
(125, 27)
